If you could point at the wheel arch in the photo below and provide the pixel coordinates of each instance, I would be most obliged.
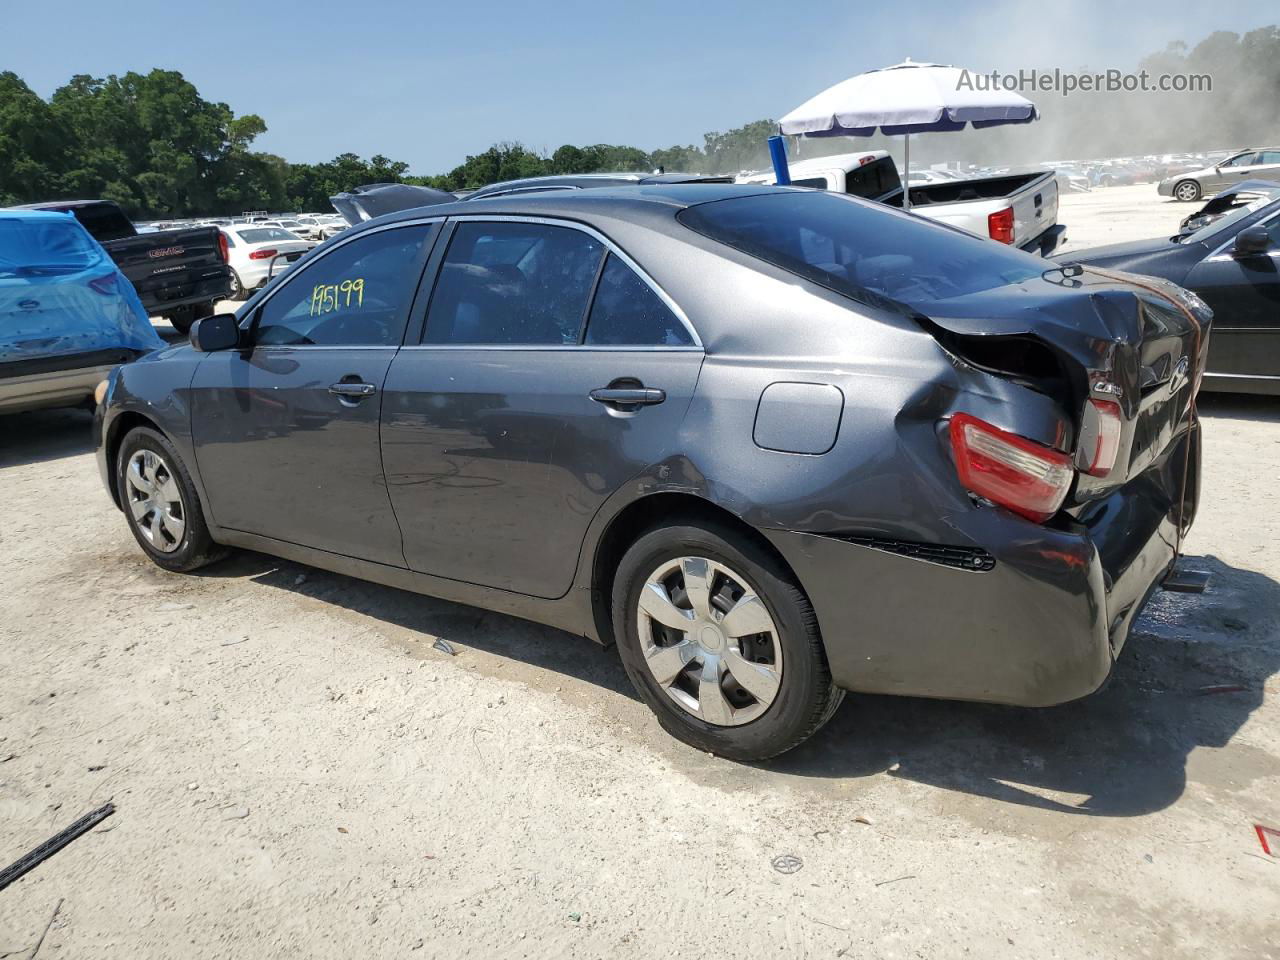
(643, 514)
(119, 428)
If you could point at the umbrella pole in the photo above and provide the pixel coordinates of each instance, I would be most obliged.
(906, 172)
(778, 153)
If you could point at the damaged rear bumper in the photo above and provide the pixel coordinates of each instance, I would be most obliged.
(1022, 615)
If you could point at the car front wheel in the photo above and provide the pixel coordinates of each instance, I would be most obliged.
(1187, 191)
(161, 504)
(721, 642)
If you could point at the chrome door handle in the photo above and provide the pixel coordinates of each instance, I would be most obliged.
(630, 396)
(353, 389)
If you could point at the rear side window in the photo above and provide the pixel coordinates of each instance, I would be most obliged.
(860, 249)
(872, 180)
(513, 283)
(104, 221)
(626, 312)
(356, 295)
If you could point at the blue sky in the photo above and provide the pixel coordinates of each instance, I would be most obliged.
(429, 82)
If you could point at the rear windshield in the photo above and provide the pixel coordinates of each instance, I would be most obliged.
(860, 249)
(45, 246)
(264, 235)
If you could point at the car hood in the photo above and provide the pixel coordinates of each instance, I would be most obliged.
(1158, 257)
(1110, 251)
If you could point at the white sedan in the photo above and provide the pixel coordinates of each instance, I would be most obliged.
(257, 253)
(304, 230)
(309, 227)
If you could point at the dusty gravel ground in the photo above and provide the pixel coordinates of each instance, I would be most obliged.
(297, 772)
(1118, 214)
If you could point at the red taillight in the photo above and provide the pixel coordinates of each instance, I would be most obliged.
(104, 285)
(222, 247)
(262, 254)
(1099, 437)
(1000, 225)
(1027, 477)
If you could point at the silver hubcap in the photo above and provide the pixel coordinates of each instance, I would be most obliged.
(1186, 192)
(155, 500)
(709, 641)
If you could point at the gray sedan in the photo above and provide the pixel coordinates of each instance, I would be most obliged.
(1252, 164)
(775, 444)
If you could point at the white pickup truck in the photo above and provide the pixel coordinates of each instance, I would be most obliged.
(1019, 209)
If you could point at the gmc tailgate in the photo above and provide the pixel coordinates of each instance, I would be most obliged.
(173, 266)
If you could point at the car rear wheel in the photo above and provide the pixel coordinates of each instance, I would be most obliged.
(720, 642)
(1187, 191)
(161, 504)
(238, 291)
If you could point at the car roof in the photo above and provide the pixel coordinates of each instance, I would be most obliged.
(31, 213)
(611, 201)
(58, 204)
(593, 180)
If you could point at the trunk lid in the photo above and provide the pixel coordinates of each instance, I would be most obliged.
(1139, 342)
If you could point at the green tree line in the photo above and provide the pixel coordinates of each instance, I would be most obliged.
(151, 143)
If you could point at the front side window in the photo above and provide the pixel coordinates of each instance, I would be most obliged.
(513, 283)
(1244, 160)
(357, 295)
(1272, 227)
(626, 312)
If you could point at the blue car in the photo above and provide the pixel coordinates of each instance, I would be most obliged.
(67, 314)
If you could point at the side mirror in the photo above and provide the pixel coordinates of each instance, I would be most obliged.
(1252, 241)
(219, 332)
